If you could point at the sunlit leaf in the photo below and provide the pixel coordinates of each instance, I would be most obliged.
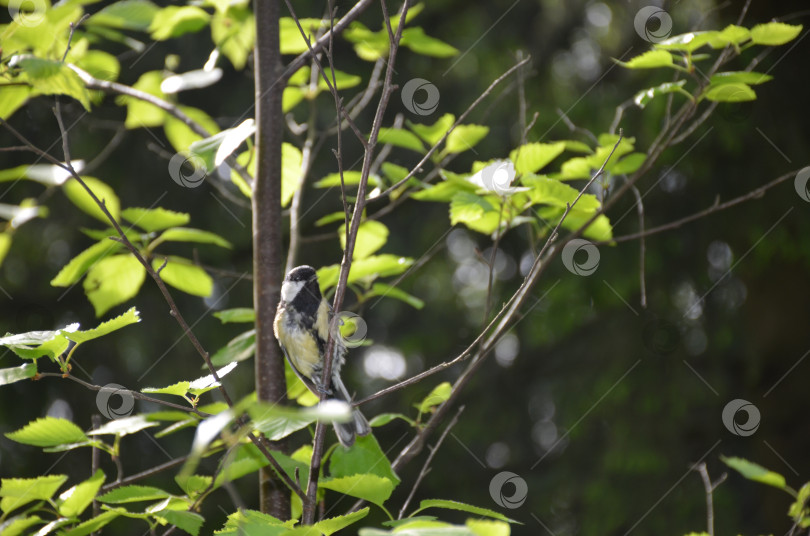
(75, 500)
(79, 196)
(174, 21)
(774, 33)
(78, 265)
(753, 471)
(183, 275)
(154, 219)
(113, 280)
(48, 432)
(371, 236)
(16, 492)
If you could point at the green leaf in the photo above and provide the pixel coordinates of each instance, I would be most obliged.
(76, 500)
(400, 138)
(688, 42)
(600, 230)
(126, 15)
(531, 157)
(16, 492)
(76, 268)
(91, 525)
(384, 418)
(186, 234)
(155, 219)
(5, 244)
(13, 99)
(236, 315)
(189, 522)
(333, 524)
(774, 33)
(475, 211)
(387, 291)
(731, 35)
(555, 193)
(124, 426)
(234, 32)
(180, 134)
(421, 43)
(372, 488)
(48, 432)
(291, 40)
(128, 494)
(643, 97)
(371, 236)
(464, 137)
(486, 527)
(444, 191)
(750, 78)
(433, 133)
(174, 21)
(214, 149)
(350, 178)
(291, 160)
(755, 472)
(734, 92)
(455, 505)
(246, 522)
(79, 197)
(17, 526)
(206, 383)
(130, 317)
(238, 349)
(183, 275)
(113, 280)
(341, 81)
(15, 374)
(365, 456)
(52, 77)
(35, 344)
(141, 113)
(437, 396)
(372, 267)
(649, 60)
(628, 164)
(177, 389)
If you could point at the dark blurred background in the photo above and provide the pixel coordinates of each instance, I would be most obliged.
(599, 404)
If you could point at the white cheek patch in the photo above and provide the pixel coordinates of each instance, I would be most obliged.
(290, 289)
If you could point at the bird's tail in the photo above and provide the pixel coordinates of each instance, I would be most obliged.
(346, 431)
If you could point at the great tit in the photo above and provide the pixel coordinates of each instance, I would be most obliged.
(301, 326)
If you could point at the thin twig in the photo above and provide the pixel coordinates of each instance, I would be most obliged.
(716, 207)
(426, 467)
(642, 252)
(308, 513)
(145, 474)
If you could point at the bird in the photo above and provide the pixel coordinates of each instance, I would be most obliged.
(301, 327)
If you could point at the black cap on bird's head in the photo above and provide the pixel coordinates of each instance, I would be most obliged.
(301, 273)
(301, 282)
